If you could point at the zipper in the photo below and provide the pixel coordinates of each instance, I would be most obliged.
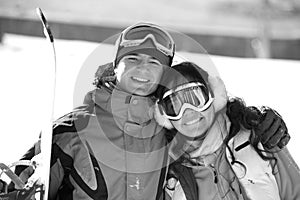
(221, 189)
(215, 173)
(216, 180)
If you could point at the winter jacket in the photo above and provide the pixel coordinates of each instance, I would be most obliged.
(212, 173)
(112, 148)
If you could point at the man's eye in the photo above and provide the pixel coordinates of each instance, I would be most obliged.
(155, 62)
(132, 59)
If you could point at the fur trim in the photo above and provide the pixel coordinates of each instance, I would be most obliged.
(161, 119)
(218, 88)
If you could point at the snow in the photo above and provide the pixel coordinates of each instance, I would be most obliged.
(26, 82)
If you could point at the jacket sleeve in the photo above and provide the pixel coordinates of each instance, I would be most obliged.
(56, 171)
(287, 176)
(34, 150)
(56, 178)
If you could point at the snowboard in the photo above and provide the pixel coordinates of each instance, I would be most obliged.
(36, 186)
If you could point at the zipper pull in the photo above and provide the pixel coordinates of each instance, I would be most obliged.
(215, 173)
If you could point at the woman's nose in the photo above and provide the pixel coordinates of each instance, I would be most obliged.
(190, 113)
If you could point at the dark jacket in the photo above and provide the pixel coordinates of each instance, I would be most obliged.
(112, 148)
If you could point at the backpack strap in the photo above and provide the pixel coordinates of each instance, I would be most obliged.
(186, 180)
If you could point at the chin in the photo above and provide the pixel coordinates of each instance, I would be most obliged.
(189, 136)
(145, 91)
(195, 136)
(142, 92)
(194, 133)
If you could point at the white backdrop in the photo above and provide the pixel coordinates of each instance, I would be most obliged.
(25, 78)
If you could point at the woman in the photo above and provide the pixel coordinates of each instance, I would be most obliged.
(209, 152)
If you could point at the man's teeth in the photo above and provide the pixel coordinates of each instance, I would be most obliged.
(140, 79)
(192, 122)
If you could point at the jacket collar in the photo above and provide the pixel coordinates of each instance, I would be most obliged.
(131, 113)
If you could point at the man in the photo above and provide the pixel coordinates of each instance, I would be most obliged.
(112, 148)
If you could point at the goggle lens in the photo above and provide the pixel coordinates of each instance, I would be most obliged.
(140, 33)
(196, 96)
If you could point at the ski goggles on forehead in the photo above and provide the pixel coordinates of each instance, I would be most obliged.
(135, 36)
(194, 96)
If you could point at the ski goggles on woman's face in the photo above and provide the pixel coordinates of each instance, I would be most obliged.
(192, 95)
(135, 36)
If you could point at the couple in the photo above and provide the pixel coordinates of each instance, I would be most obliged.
(113, 147)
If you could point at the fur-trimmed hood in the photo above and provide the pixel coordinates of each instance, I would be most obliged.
(220, 100)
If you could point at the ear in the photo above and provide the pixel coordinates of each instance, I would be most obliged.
(160, 118)
(220, 94)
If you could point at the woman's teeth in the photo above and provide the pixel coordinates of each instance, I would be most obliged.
(192, 121)
(140, 79)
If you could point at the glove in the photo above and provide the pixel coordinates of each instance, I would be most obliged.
(272, 130)
(105, 74)
(3, 186)
(34, 174)
(25, 175)
(23, 194)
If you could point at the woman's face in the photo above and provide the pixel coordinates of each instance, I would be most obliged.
(193, 123)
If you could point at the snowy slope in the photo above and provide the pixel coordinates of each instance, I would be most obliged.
(24, 86)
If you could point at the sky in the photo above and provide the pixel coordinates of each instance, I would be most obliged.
(27, 74)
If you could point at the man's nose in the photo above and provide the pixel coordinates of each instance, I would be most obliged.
(144, 64)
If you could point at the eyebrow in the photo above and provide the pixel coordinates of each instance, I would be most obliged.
(132, 54)
(136, 54)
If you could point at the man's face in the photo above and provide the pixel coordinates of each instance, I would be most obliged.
(139, 74)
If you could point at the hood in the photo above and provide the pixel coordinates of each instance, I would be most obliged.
(123, 106)
(220, 100)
